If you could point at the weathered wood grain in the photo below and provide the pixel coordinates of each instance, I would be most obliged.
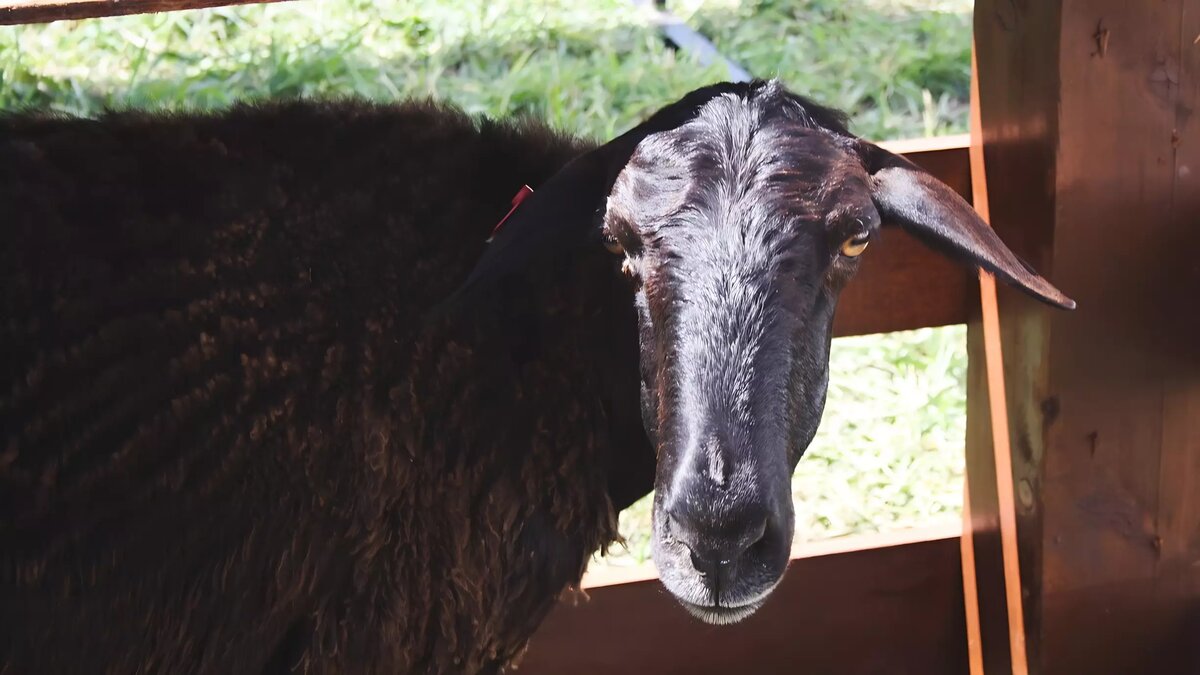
(44, 11)
(1088, 115)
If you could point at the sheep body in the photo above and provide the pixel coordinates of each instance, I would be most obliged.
(229, 441)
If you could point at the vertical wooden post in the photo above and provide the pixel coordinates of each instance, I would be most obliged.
(1091, 116)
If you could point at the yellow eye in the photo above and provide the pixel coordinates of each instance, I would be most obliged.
(854, 246)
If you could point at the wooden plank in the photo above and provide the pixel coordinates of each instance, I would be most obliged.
(1088, 110)
(1178, 518)
(1119, 453)
(44, 11)
(894, 609)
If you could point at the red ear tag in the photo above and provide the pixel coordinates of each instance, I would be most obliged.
(524, 192)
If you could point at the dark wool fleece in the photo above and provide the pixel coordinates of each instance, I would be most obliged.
(231, 439)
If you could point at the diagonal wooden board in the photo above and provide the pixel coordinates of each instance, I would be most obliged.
(14, 12)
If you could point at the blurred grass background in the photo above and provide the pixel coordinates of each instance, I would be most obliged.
(889, 452)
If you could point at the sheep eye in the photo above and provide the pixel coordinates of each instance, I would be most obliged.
(854, 246)
(611, 243)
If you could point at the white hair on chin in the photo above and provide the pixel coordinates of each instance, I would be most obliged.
(722, 616)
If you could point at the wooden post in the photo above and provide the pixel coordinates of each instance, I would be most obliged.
(1091, 123)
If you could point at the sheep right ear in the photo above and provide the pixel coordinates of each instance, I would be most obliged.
(562, 212)
(909, 196)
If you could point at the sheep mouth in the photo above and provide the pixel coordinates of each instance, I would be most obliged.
(719, 615)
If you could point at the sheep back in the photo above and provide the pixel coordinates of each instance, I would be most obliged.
(232, 443)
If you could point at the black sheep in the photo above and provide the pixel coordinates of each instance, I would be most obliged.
(253, 420)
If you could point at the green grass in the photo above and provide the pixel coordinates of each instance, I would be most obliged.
(902, 69)
(593, 67)
(889, 452)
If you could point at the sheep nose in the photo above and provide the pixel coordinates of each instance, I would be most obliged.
(717, 542)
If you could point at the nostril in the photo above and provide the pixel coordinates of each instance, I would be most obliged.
(761, 547)
(754, 541)
(760, 534)
(706, 566)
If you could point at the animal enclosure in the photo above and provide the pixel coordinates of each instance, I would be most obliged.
(1086, 116)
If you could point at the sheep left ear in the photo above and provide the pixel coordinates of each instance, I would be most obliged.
(909, 196)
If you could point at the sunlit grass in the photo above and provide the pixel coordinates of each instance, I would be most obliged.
(592, 67)
(901, 66)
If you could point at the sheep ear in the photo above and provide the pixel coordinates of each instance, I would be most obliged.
(912, 198)
(562, 212)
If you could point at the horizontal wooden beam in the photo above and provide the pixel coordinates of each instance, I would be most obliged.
(14, 12)
(855, 607)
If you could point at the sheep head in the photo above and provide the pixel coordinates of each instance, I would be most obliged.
(740, 212)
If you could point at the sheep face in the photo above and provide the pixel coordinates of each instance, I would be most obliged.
(741, 227)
